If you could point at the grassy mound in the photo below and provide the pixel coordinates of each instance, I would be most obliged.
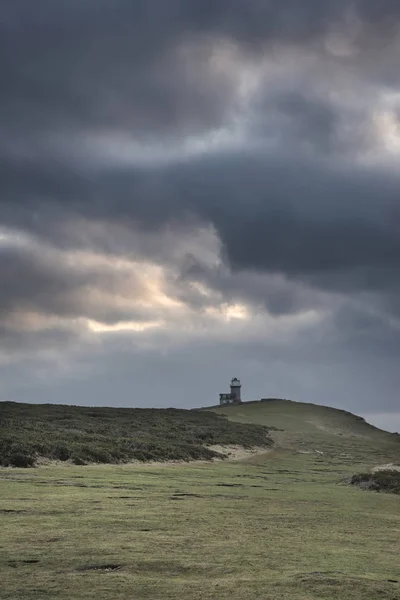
(380, 481)
(333, 434)
(113, 435)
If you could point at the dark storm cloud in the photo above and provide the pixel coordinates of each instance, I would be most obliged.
(336, 225)
(304, 117)
(102, 65)
(301, 216)
(144, 65)
(310, 121)
(286, 214)
(118, 65)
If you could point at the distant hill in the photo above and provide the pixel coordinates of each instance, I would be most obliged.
(312, 428)
(29, 432)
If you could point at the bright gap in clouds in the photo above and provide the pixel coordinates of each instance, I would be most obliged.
(13, 238)
(388, 130)
(127, 326)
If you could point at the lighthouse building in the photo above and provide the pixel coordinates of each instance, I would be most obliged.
(235, 396)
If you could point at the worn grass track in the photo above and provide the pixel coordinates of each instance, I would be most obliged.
(278, 526)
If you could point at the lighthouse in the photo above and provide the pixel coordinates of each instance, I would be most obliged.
(236, 390)
(235, 396)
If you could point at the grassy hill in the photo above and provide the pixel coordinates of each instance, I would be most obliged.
(331, 434)
(279, 525)
(30, 432)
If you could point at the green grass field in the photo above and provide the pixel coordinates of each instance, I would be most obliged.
(281, 525)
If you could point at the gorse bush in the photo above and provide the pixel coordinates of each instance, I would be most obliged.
(61, 451)
(111, 435)
(18, 459)
(380, 481)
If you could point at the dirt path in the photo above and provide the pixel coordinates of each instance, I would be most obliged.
(388, 467)
(233, 452)
(238, 452)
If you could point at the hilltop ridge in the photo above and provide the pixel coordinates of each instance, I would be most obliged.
(31, 432)
(312, 428)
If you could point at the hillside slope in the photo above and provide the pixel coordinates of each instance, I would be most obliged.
(323, 431)
(29, 432)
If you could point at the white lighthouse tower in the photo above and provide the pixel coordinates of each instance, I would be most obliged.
(236, 390)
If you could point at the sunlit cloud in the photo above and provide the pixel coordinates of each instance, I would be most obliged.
(388, 130)
(123, 327)
(228, 312)
(15, 238)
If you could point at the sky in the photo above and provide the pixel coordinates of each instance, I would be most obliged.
(192, 191)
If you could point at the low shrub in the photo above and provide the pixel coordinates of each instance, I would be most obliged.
(19, 460)
(112, 435)
(380, 481)
(60, 451)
